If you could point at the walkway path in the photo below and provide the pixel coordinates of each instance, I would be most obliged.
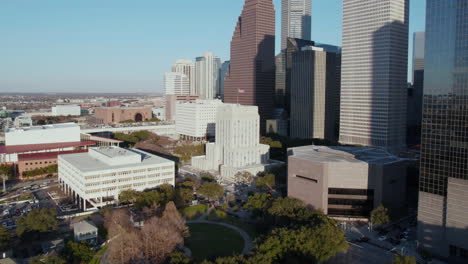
(248, 244)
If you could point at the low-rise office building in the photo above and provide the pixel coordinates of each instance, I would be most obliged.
(57, 133)
(66, 110)
(197, 120)
(347, 181)
(96, 178)
(86, 232)
(109, 115)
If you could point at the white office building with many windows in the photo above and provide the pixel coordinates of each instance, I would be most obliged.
(197, 120)
(96, 178)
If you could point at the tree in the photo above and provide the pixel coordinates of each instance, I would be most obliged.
(211, 190)
(244, 177)
(128, 196)
(379, 216)
(5, 238)
(178, 257)
(77, 252)
(183, 196)
(207, 177)
(47, 260)
(287, 207)
(259, 203)
(403, 260)
(40, 220)
(266, 181)
(166, 192)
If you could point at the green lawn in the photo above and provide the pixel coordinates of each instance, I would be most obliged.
(208, 241)
(220, 216)
(193, 212)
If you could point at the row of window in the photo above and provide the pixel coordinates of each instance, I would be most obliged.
(40, 162)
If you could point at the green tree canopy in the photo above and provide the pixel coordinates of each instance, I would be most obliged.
(128, 196)
(77, 252)
(40, 220)
(5, 238)
(379, 216)
(403, 260)
(259, 203)
(183, 196)
(266, 181)
(47, 260)
(211, 190)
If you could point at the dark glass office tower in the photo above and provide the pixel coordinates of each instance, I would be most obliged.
(443, 197)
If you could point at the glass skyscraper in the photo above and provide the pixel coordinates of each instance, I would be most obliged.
(443, 197)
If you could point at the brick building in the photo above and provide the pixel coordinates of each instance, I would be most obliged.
(110, 115)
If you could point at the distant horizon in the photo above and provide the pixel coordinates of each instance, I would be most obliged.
(113, 46)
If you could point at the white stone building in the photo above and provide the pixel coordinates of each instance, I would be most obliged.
(186, 67)
(66, 110)
(176, 83)
(196, 120)
(237, 147)
(57, 133)
(96, 178)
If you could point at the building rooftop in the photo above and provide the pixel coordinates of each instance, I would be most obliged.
(323, 154)
(41, 147)
(84, 227)
(44, 127)
(47, 155)
(105, 158)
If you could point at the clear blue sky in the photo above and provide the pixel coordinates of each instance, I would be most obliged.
(126, 46)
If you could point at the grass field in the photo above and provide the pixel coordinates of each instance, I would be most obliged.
(208, 241)
(220, 216)
(193, 212)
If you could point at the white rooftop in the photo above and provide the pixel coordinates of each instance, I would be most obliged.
(84, 227)
(105, 158)
(323, 154)
(44, 127)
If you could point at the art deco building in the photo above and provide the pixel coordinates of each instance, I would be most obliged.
(296, 20)
(443, 196)
(374, 73)
(251, 77)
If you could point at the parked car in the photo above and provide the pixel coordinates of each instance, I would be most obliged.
(382, 238)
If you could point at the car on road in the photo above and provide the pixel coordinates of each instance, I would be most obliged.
(363, 239)
(6, 212)
(382, 238)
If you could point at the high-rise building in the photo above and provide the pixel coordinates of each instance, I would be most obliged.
(223, 71)
(251, 77)
(207, 75)
(186, 67)
(296, 20)
(443, 203)
(415, 92)
(374, 73)
(176, 83)
(315, 92)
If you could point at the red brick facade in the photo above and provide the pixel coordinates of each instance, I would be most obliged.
(110, 115)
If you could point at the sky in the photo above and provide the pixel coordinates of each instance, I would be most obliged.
(126, 46)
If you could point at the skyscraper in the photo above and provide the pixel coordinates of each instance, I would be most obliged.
(223, 71)
(207, 75)
(374, 73)
(443, 196)
(251, 77)
(186, 67)
(296, 20)
(176, 84)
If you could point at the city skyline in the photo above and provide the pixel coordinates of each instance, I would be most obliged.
(83, 47)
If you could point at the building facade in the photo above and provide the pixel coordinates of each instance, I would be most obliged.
(186, 67)
(66, 110)
(197, 120)
(109, 115)
(296, 20)
(176, 83)
(96, 178)
(57, 133)
(173, 100)
(207, 75)
(237, 146)
(443, 203)
(347, 181)
(314, 93)
(374, 73)
(223, 71)
(251, 77)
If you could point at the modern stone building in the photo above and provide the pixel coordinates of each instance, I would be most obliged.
(96, 178)
(347, 181)
(186, 67)
(108, 115)
(173, 100)
(374, 73)
(237, 146)
(251, 77)
(296, 20)
(207, 75)
(443, 196)
(197, 120)
(315, 94)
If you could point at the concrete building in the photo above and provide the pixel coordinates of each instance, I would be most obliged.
(186, 67)
(159, 113)
(296, 20)
(176, 83)
(207, 75)
(237, 146)
(86, 232)
(109, 115)
(57, 133)
(23, 121)
(96, 178)
(173, 100)
(66, 110)
(315, 91)
(374, 73)
(197, 120)
(415, 93)
(251, 77)
(347, 181)
(443, 183)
